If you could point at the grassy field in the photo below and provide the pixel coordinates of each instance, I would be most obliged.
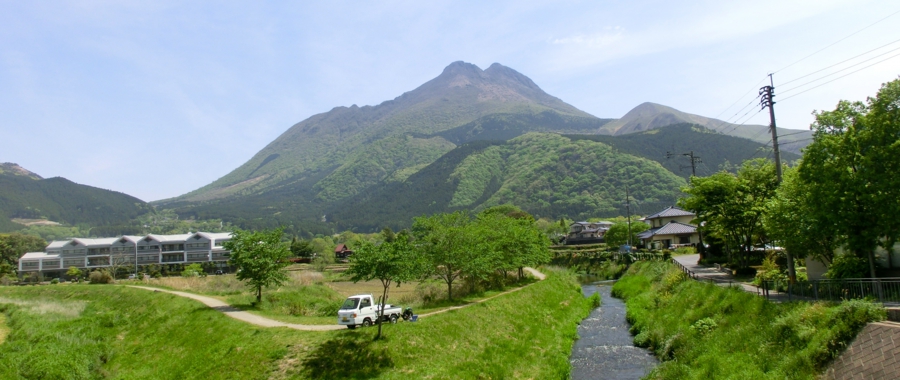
(703, 331)
(311, 297)
(104, 331)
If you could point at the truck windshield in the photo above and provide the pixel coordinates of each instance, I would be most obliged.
(350, 303)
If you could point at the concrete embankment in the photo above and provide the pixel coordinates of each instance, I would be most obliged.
(874, 354)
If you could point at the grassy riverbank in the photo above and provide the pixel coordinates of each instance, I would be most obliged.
(703, 331)
(103, 331)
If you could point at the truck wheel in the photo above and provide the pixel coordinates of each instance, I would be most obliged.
(351, 327)
(393, 318)
(367, 322)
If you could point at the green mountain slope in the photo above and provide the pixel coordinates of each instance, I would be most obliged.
(61, 200)
(548, 175)
(461, 94)
(714, 150)
(649, 116)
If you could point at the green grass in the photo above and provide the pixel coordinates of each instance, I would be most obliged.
(105, 331)
(528, 334)
(703, 331)
(94, 332)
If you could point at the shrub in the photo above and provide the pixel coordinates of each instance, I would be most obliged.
(101, 277)
(848, 266)
(54, 281)
(193, 270)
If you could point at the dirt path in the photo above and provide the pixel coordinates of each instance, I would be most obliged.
(534, 272)
(241, 315)
(254, 319)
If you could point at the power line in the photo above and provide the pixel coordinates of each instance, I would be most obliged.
(846, 68)
(848, 59)
(836, 42)
(842, 76)
(791, 134)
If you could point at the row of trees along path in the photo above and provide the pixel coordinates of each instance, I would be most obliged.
(254, 319)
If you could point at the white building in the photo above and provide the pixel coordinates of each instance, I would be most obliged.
(126, 251)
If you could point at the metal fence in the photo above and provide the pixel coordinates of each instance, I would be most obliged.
(884, 290)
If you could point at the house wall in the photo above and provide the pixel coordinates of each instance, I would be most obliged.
(815, 269)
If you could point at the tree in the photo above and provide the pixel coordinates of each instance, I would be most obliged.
(14, 245)
(446, 244)
(513, 239)
(790, 223)
(74, 272)
(301, 247)
(260, 258)
(849, 169)
(393, 262)
(731, 206)
(618, 233)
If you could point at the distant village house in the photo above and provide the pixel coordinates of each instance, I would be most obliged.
(670, 228)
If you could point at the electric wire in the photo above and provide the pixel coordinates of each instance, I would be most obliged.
(842, 76)
(848, 59)
(846, 68)
(838, 41)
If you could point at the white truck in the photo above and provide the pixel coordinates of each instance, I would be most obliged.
(362, 310)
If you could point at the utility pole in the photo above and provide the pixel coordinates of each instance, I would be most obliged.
(628, 212)
(694, 160)
(768, 100)
(768, 95)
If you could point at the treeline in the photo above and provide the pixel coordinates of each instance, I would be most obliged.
(839, 196)
(455, 247)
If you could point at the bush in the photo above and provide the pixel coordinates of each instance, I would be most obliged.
(848, 266)
(193, 270)
(101, 277)
(54, 281)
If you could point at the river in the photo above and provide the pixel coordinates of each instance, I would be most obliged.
(604, 349)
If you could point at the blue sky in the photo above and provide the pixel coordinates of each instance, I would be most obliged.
(155, 99)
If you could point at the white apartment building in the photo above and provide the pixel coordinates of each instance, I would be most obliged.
(126, 251)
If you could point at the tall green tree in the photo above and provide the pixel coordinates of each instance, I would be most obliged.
(447, 245)
(850, 170)
(513, 239)
(391, 262)
(14, 245)
(260, 258)
(731, 207)
(791, 223)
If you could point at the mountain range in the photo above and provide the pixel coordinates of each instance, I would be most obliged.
(468, 139)
(465, 140)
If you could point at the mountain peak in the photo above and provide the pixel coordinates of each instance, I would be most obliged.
(15, 169)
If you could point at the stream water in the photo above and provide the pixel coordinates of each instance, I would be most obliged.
(604, 349)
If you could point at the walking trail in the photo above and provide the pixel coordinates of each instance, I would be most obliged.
(723, 278)
(254, 319)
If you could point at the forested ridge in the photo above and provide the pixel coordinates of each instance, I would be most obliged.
(60, 200)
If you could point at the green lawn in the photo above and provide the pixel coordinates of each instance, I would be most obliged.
(103, 331)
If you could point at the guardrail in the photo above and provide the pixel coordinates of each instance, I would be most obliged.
(884, 290)
(696, 277)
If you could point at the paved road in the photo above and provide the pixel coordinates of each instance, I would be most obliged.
(723, 278)
(241, 315)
